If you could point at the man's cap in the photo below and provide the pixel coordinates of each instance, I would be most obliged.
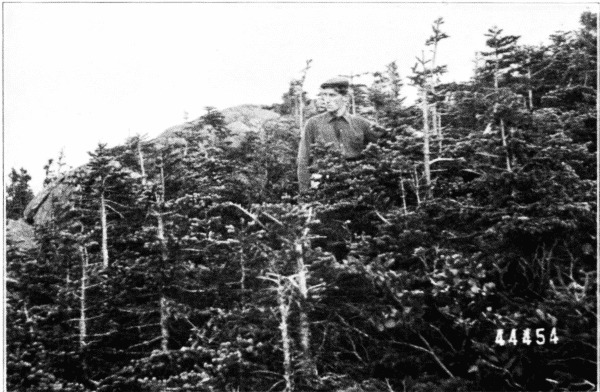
(336, 82)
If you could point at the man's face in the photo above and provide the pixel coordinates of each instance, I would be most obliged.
(332, 100)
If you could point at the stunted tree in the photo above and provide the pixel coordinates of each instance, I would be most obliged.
(499, 64)
(499, 60)
(426, 76)
(18, 193)
(53, 169)
(354, 88)
(384, 94)
(300, 94)
(436, 72)
(105, 185)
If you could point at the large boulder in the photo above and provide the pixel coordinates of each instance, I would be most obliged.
(240, 120)
(39, 210)
(20, 234)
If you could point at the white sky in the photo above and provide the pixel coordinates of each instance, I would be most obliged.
(76, 74)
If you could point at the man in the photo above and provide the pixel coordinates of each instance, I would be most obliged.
(349, 133)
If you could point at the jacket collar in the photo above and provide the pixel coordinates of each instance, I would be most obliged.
(346, 116)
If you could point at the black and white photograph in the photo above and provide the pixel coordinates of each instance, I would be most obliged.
(300, 196)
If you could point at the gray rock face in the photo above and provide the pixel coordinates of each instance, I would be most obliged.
(19, 233)
(39, 210)
(240, 120)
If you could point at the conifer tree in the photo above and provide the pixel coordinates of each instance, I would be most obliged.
(426, 79)
(106, 180)
(18, 193)
(355, 89)
(434, 40)
(499, 63)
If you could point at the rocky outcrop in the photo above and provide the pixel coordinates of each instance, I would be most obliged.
(240, 120)
(20, 234)
(39, 210)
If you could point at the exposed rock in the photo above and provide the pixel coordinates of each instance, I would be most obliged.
(240, 120)
(19, 233)
(39, 210)
(251, 115)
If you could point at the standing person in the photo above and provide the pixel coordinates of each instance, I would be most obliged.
(348, 133)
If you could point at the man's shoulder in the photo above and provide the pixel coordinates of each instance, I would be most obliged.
(316, 120)
(360, 120)
(319, 117)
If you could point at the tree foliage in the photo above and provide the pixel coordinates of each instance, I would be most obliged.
(18, 193)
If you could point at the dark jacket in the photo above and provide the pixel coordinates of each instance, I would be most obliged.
(349, 133)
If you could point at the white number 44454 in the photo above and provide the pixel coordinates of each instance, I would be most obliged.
(526, 337)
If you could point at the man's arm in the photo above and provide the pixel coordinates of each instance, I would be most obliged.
(372, 131)
(304, 156)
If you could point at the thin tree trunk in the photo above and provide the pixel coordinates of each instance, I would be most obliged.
(502, 130)
(104, 231)
(301, 96)
(434, 114)
(164, 313)
(308, 368)
(164, 324)
(417, 186)
(82, 298)
(505, 145)
(529, 91)
(301, 114)
(439, 130)
(403, 194)
(160, 235)
(28, 318)
(434, 121)
(496, 70)
(425, 108)
(243, 277)
(141, 159)
(284, 309)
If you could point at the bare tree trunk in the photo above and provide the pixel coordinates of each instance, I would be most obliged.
(505, 145)
(301, 110)
(301, 93)
(160, 235)
(141, 158)
(439, 130)
(30, 320)
(434, 119)
(243, 271)
(104, 231)
(529, 91)
(403, 194)
(308, 366)
(417, 186)
(307, 363)
(82, 298)
(425, 108)
(164, 324)
(502, 130)
(284, 310)
(496, 70)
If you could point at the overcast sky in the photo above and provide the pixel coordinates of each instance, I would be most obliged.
(76, 74)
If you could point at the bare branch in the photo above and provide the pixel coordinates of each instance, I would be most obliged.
(245, 211)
